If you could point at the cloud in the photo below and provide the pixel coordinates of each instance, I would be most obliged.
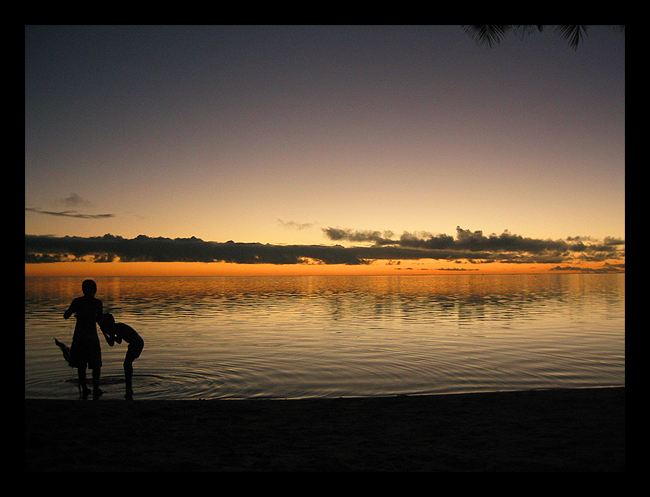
(607, 268)
(71, 201)
(294, 225)
(470, 246)
(506, 247)
(40, 248)
(70, 213)
(339, 234)
(74, 200)
(144, 248)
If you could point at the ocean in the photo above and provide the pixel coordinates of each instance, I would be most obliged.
(338, 336)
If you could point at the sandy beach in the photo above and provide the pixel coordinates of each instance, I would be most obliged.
(554, 430)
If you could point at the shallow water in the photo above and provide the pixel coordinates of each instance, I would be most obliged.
(333, 336)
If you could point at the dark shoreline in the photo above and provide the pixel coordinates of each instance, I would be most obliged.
(542, 430)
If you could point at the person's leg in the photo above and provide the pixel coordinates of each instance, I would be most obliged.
(82, 381)
(96, 390)
(132, 353)
(95, 363)
(128, 376)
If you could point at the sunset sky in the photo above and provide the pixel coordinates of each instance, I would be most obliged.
(321, 150)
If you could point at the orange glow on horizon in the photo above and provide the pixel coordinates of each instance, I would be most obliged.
(378, 268)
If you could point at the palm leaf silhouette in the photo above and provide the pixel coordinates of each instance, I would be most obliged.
(492, 34)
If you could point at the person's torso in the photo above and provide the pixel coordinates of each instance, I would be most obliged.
(128, 334)
(88, 311)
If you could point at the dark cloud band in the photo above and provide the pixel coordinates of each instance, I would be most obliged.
(475, 241)
(468, 245)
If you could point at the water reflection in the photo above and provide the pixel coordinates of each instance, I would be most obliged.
(467, 298)
(319, 336)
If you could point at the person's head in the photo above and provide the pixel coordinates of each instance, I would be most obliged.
(108, 321)
(89, 288)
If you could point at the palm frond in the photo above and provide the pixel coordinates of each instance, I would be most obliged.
(573, 33)
(487, 34)
(527, 29)
(492, 34)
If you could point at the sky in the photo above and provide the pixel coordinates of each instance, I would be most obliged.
(219, 150)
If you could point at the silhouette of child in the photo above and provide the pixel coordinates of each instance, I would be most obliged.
(86, 350)
(116, 332)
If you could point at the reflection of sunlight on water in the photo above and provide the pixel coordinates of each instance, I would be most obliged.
(340, 336)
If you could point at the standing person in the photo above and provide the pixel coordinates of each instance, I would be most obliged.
(116, 332)
(86, 350)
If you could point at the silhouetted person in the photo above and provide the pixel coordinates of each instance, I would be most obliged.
(116, 332)
(85, 350)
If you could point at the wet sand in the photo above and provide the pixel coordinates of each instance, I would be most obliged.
(554, 430)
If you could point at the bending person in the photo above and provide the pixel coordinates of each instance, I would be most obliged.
(116, 332)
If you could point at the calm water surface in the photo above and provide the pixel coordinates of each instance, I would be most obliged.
(333, 336)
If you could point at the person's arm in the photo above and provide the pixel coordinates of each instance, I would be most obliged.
(110, 339)
(70, 311)
(99, 312)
